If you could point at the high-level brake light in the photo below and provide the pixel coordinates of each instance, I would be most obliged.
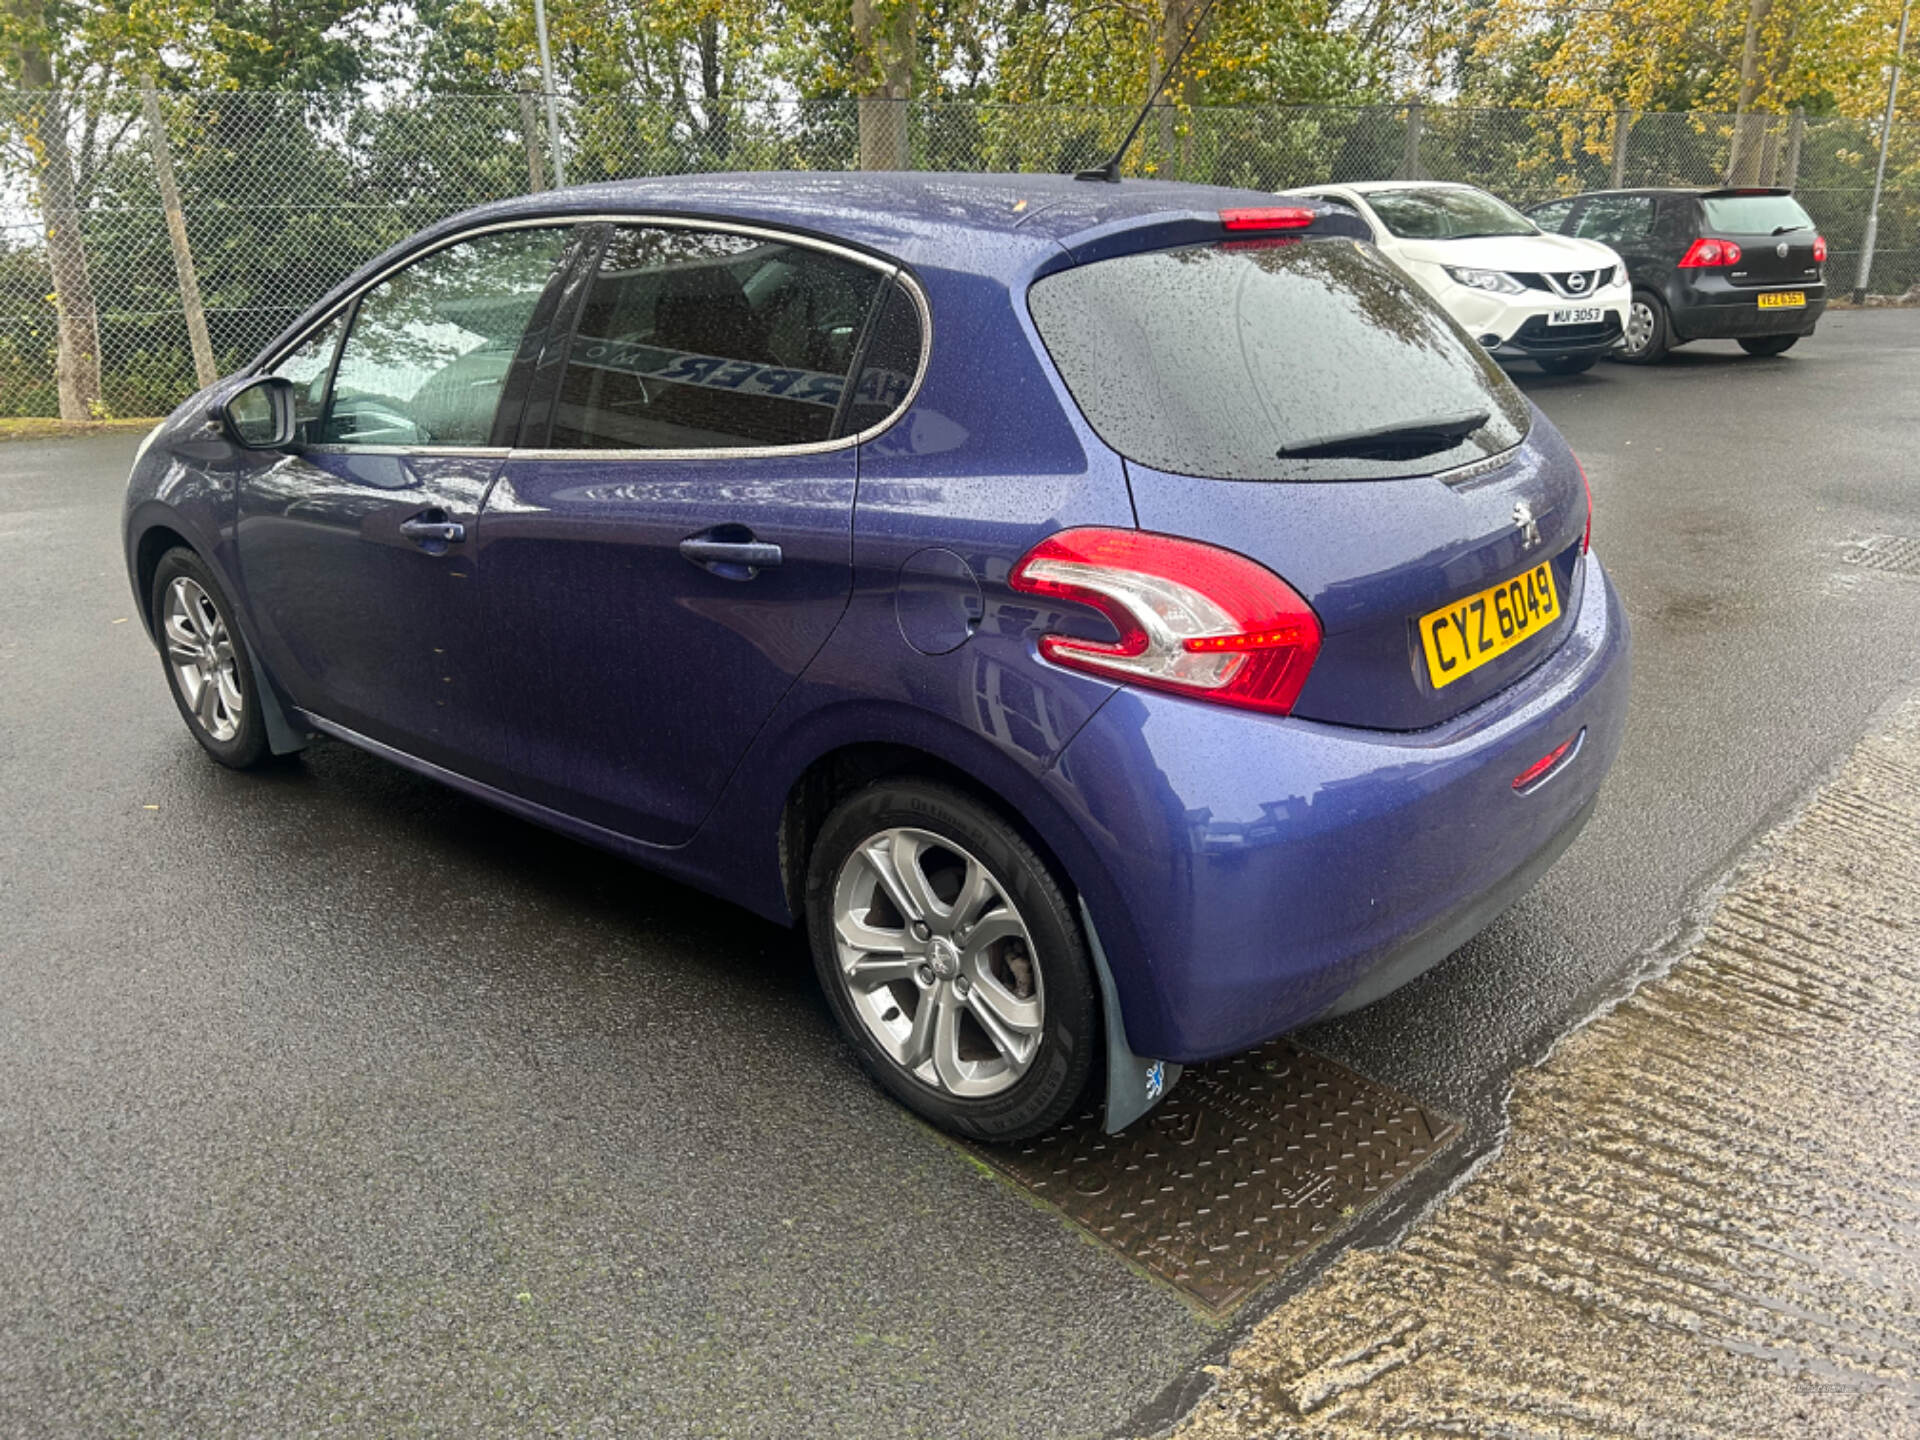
(1268, 217)
(1192, 619)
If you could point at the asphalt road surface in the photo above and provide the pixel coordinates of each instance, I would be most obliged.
(332, 1100)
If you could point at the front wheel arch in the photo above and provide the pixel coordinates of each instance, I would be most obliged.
(284, 737)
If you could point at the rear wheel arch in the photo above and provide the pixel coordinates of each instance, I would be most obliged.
(835, 774)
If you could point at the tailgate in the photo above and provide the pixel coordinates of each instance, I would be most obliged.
(1375, 559)
(1302, 403)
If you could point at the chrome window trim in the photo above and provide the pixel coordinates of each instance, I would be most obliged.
(455, 451)
(891, 269)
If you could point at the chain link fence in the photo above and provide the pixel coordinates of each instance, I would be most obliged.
(154, 227)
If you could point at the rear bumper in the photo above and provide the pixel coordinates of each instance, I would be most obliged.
(1261, 873)
(1713, 309)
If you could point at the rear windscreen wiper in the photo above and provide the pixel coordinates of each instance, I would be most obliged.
(1410, 438)
(1788, 229)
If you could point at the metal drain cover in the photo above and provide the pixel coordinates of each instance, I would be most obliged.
(1898, 553)
(1248, 1165)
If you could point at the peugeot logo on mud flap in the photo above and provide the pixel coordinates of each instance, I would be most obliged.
(1529, 527)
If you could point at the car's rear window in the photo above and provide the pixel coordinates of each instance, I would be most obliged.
(1213, 359)
(1754, 214)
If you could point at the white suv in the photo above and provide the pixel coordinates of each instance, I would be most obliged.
(1524, 293)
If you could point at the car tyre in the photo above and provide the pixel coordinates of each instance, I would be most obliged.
(1648, 336)
(1568, 364)
(1768, 344)
(208, 667)
(952, 960)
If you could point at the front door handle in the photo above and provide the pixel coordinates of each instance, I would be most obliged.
(446, 532)
(730, 559)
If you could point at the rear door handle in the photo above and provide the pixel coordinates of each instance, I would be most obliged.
(447, 532)
(732, 559)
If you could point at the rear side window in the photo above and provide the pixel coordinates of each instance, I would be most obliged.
(892, 361)
(706, 339)
(1754, 214)
(1297, 360)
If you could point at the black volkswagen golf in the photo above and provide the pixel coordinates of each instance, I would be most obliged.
(1738, 264)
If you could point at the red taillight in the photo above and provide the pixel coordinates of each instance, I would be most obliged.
(1586, 538)
(1704, 254)
(1538, 769)
(1193, 618)
(1819, 249)
(1271, 217)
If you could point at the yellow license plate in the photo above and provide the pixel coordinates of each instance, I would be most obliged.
(1783, 300)
(1465, 635)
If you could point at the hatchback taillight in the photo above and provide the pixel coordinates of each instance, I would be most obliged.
(1819, 249)
(1705, 254)
(1192, 618)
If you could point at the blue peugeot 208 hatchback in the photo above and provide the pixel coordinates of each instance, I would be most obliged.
(1120, 622)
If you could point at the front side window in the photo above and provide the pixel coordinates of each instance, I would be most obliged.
(705, 339)
(1446, 213)
(308, 365)
(1552, 215)
(1290, 360)
(427, 356)
(1615, 219)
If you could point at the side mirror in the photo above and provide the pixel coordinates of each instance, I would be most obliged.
(259, 416)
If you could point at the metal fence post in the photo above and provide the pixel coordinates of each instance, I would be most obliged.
(1410, 158)
(204, 370)
(530, 134)
(1796, 132)
(1880, 170)
(1622, 125)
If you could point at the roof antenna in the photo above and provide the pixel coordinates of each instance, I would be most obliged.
(1110, 172)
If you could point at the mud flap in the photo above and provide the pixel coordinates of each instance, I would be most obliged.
(1134, 1084)
(283, 736)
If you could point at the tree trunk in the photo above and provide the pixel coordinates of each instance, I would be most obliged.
(714, 95)
(884, 47)
(1175, 18)
(79, 322)
(1743, 159)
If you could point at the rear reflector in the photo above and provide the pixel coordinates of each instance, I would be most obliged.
(1271, 217)
(1586, 536)
(1541, 768)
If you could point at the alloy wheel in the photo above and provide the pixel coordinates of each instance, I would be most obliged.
(1639, 327)
(937, 962)
(200, 651)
